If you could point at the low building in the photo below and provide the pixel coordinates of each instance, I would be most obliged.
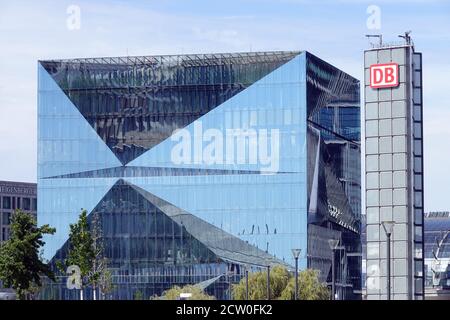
(437, 255)
(15, 195)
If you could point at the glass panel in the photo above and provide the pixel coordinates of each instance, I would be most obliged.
(370, 57)
(418, 181)
(371, 111)
(418, 268)
(385, 127)
(398, 56)
(372, 163)
(386, 162)
(418, 216)
(400, 197)
(371, 95)
(372, 180)
(400, 214)
(386, 197)
(399, 144)
(399, 93)
(372, 215)
(417, 130)
(6, 202)
(386, 180)
(418, 164)
(372, 198)
(386, 213)
(399, 161)
(418, 199)
(418, 251)
(399, 126)
(373, 233)
(417, 112)
(418, 233)
(385, 110)
(372, 128)
(26, 204)
(399, 179)
(398, 109)
(385, 145)
(371, 145)
(418, 147)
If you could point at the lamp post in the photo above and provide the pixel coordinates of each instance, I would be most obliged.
(296, 254)
(333, 243)
(388, 226)
(268, 282)
(246, 282)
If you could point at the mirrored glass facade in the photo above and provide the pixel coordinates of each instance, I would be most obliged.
(269, 162)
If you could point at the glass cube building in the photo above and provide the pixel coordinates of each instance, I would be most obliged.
(201, 166)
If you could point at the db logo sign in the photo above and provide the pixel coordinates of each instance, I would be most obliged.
(384, 75)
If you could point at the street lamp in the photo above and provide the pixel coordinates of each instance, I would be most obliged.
(388, 226)
(333, 243)
(296, 254)
(246, 281)
(268, 282)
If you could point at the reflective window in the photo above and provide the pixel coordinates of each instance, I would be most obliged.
(6, 202)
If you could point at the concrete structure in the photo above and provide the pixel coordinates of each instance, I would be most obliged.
(437, 255)
(15, 195)
(394, 169)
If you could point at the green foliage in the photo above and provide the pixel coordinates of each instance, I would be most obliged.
(282, 285)
(81, 251)
(21, 266)
(309, 287)
(138, 295)
(86, 250)
(197, 293)
(105, 283)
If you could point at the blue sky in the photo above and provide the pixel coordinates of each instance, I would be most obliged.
(333, 30)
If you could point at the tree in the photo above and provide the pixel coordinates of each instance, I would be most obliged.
(81, 251)
(99, 263)
(21, 267)
(282, 285)
(105, 283)
(86, 250)
(197, 293)
(309, 287)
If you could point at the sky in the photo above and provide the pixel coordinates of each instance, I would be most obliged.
(333, 30)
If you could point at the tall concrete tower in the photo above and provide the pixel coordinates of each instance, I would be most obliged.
(394, 171)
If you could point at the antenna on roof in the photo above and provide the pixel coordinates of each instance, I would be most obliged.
(407, 37)
(379, 36)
